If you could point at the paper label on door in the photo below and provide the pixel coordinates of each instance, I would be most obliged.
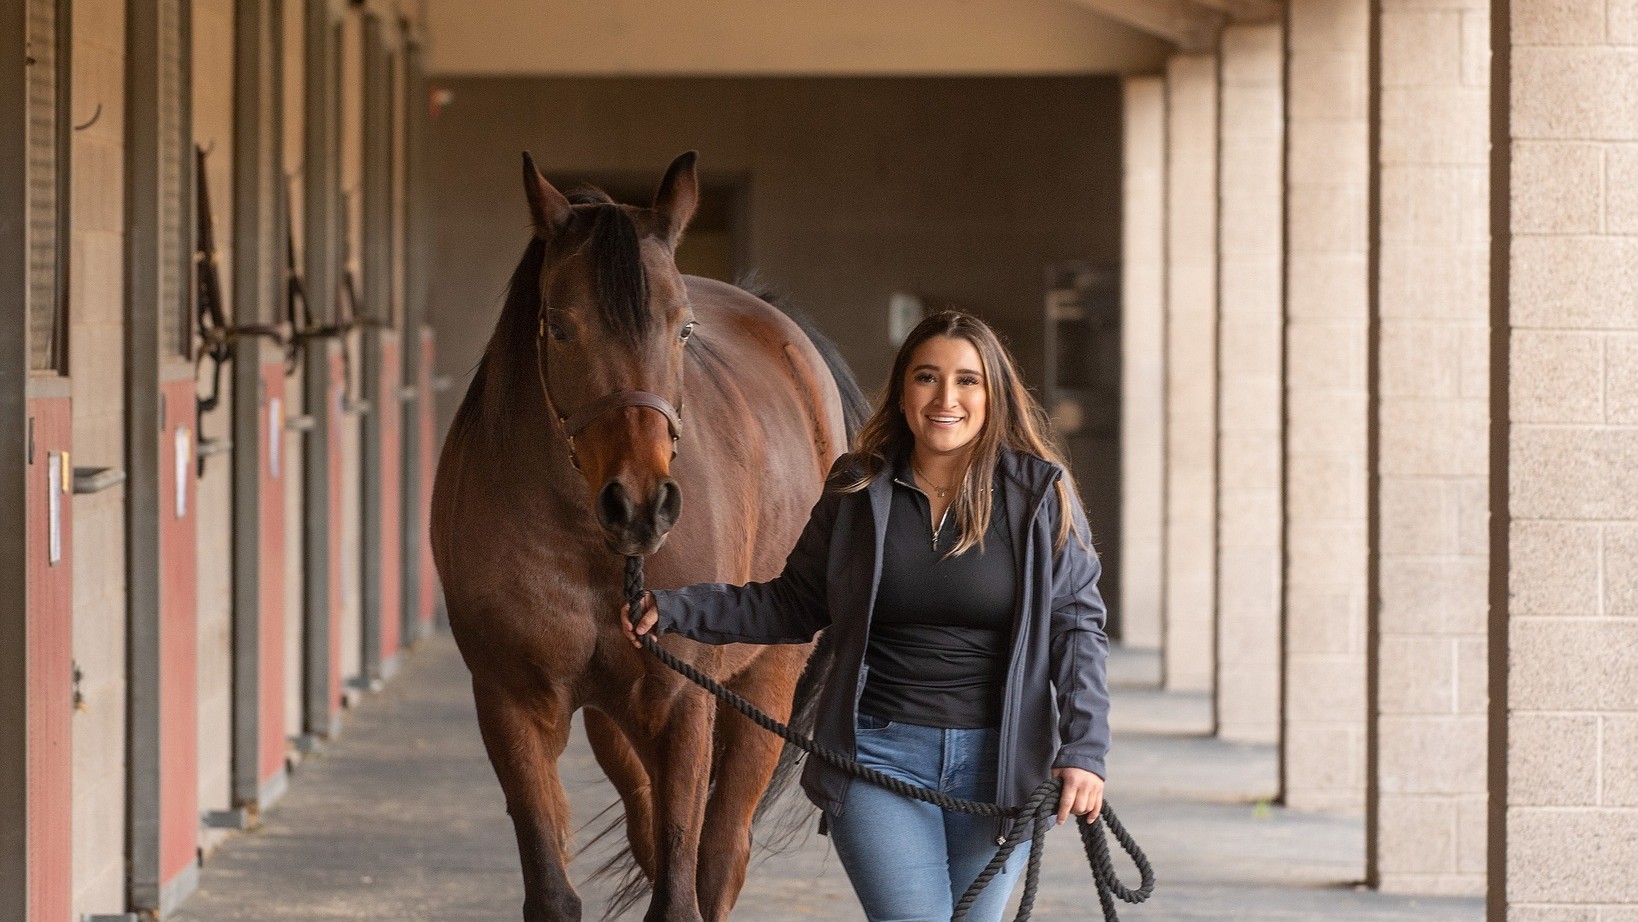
(184, 459)
(54, 490)
(275, 431)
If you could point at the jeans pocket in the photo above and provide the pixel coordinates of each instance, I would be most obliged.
(870, 722)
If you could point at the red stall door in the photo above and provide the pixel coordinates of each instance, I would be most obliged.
(338, 415)
(428, 416)
(270, 582)
(179, 637)
(50, 660)
(392, 529)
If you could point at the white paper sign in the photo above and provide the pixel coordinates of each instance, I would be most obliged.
(275, 432)
(184, 458)
(54, 489)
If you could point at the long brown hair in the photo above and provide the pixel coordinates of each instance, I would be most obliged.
(1012, 417)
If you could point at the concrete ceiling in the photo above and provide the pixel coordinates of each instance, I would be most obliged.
(784, 37)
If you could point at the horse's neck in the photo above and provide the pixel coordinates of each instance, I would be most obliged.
(516, 427)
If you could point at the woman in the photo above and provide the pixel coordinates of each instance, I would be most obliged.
(950, 559)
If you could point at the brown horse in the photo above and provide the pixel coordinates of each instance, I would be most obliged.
(612, 389)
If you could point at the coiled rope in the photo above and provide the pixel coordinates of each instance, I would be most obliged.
(1028, 823)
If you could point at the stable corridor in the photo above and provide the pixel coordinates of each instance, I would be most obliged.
(1332, 301)
(402, 819)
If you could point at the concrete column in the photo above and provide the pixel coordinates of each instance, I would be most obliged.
(215, 129)
(1191, 375)
(1567, 248)
(1425, 829)
(1323, 756)
(96, 314)
(1249, 369)
(1143, 358)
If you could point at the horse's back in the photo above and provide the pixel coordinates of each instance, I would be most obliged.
(757, 331)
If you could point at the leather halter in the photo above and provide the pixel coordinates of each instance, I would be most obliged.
(574, 422)
(581, 418)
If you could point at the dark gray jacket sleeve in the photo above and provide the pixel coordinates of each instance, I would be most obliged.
(790, 608)
(1080, 650)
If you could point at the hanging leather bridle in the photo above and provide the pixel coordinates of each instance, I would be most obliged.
(573, 423)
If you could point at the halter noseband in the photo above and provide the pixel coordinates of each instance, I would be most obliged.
(581, 418)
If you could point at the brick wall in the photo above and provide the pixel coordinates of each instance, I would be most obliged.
(1191, 362)
(1323, 758)
(1572, 690)
(1249, 371)
(1431, 403)
(1143, 358)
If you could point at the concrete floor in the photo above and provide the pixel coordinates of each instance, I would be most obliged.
(402, 819)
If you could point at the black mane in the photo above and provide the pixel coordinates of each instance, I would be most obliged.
(613, 246)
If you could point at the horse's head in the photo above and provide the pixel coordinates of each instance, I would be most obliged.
(614, 320)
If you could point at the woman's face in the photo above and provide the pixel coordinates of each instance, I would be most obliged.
(944, 395)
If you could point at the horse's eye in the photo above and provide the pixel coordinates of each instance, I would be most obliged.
(687, 331)
(556, 332)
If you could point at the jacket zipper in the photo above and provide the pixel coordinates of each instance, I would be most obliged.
(938, 528)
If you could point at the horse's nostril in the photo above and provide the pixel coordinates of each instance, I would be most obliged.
(667, 506)
(614, 506)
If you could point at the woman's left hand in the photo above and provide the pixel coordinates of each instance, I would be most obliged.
(1082, 794)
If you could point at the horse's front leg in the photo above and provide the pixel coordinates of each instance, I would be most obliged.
(747, 755)
(524, 733)
(678, 758)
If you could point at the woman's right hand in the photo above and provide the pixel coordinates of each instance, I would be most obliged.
(651, 614)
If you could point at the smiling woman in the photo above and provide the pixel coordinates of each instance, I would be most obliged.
(943, 404)
(956, 641)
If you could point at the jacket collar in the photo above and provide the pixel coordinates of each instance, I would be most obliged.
(1033, 474)
(1024, 476)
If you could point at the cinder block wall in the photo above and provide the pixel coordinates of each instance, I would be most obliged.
(957, 189)
(1188, 648)
(1250, 368)
(96, 313)
(1327, 170)
(1431, 413)
(1570, 836)
(1143, 359)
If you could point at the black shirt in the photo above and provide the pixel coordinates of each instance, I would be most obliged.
(942, 627)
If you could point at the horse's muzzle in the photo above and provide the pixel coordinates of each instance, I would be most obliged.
(636, 528)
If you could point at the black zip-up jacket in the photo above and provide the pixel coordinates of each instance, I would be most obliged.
(1055, 708)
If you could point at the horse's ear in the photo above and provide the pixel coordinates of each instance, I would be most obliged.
(678, 195)
(547, 206)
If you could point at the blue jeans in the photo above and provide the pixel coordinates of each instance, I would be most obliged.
(910, 861)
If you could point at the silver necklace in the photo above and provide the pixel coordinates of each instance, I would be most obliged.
(929, 481)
